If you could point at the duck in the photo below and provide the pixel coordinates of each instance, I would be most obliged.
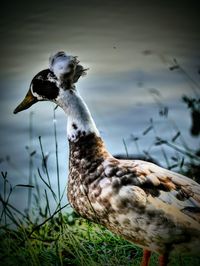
(150, 206)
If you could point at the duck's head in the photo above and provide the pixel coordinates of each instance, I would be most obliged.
(62, 73)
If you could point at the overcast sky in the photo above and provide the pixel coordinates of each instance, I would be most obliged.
(128, 46)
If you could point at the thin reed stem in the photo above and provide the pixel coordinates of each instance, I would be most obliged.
(30, 160)
(44, 161)
(47, 202)
(5, 187)
(56, 153)
(175, 147)
(49, 186)
(48, 219)
(126, 149)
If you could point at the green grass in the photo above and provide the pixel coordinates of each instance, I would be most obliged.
(70, 240)
(66, 240)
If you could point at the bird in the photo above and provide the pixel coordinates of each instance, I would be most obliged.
(150, 206)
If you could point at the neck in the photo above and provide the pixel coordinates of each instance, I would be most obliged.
(80, 122)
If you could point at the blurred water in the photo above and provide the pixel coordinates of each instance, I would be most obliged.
(128, 46)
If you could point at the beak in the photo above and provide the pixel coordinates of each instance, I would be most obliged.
(26, 103)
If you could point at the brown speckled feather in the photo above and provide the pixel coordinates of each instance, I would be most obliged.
(146, 204)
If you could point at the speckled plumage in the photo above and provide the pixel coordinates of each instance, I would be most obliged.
(155, 208)
(136, 199)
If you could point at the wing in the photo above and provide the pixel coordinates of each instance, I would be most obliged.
(170, 187)
(165, 187)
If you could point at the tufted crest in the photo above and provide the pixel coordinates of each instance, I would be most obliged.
(66, 68)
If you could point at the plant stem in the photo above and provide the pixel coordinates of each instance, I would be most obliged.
(30, 160)
(125, 146)
(57, 159)
(44, 160)
(39, 225)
